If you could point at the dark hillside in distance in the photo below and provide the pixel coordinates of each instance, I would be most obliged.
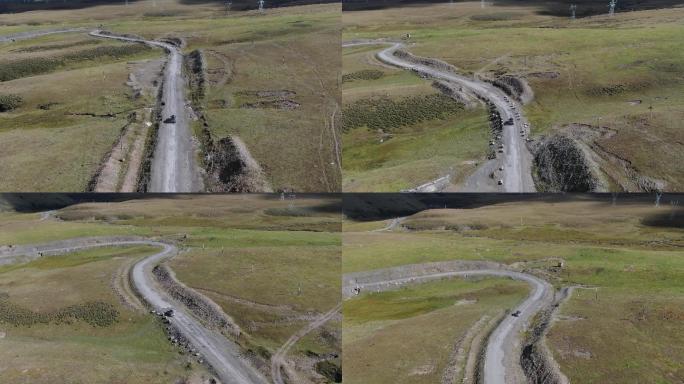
(17, 6)
(554, 8)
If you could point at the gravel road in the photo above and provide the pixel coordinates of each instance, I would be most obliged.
(504, 347)
(221, 354)
(516, 160)
(32, 34)
(174, 168)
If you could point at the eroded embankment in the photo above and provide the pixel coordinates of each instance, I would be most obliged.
(561, 166)
(145, 173)
(536, 359)
(228, 165)
(206, 310)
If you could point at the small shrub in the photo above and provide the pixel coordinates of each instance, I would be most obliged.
(366, 74)
(10, 102)
(330, 370)
(386, 114)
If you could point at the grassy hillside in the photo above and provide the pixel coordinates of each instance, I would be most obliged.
(272, 265)
(382, 153)
(622, 325)
(406, 336)
(268, 82)
(620, 78)
(86, 333)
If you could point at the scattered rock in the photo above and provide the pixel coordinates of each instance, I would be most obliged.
(582, 354)
(423, 370)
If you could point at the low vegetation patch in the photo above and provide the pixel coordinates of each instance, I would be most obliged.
(36, 66)
(10, 102)
(366, 74)
(386, 114)
(39, 48)
(95, 313)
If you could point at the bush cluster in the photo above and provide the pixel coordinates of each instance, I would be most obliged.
(35, 66)
(10, 102)
(386, 114)
(366, 74)
(96, 313)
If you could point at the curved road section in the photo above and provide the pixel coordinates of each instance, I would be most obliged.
(504, 347)
(220, 353)
(174, 168)
(517, 161)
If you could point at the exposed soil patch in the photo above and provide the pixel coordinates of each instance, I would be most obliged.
(47, 106)
(278, 99)
(562, 166)
(544, 75)
(515, 87)
(430, 62)
(276, 104)
(219, 75)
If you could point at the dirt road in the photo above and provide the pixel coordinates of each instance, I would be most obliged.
(32, 34)
(221, 354)
(174, 168)
(278, 361)
(516, 160)
(504, 347)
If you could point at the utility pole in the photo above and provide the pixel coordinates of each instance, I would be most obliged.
(573, 9)
(612, 5)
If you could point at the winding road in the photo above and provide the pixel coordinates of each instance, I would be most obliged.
(504, 347)
(516, 160)
(220, 353)
(174, 168)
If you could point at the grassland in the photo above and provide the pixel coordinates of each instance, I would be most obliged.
(623, 327)
(389, 150)
(48, 143)
(623, 73)
(406, 336)
(86, 333)
(271, 264)
(245, 52)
